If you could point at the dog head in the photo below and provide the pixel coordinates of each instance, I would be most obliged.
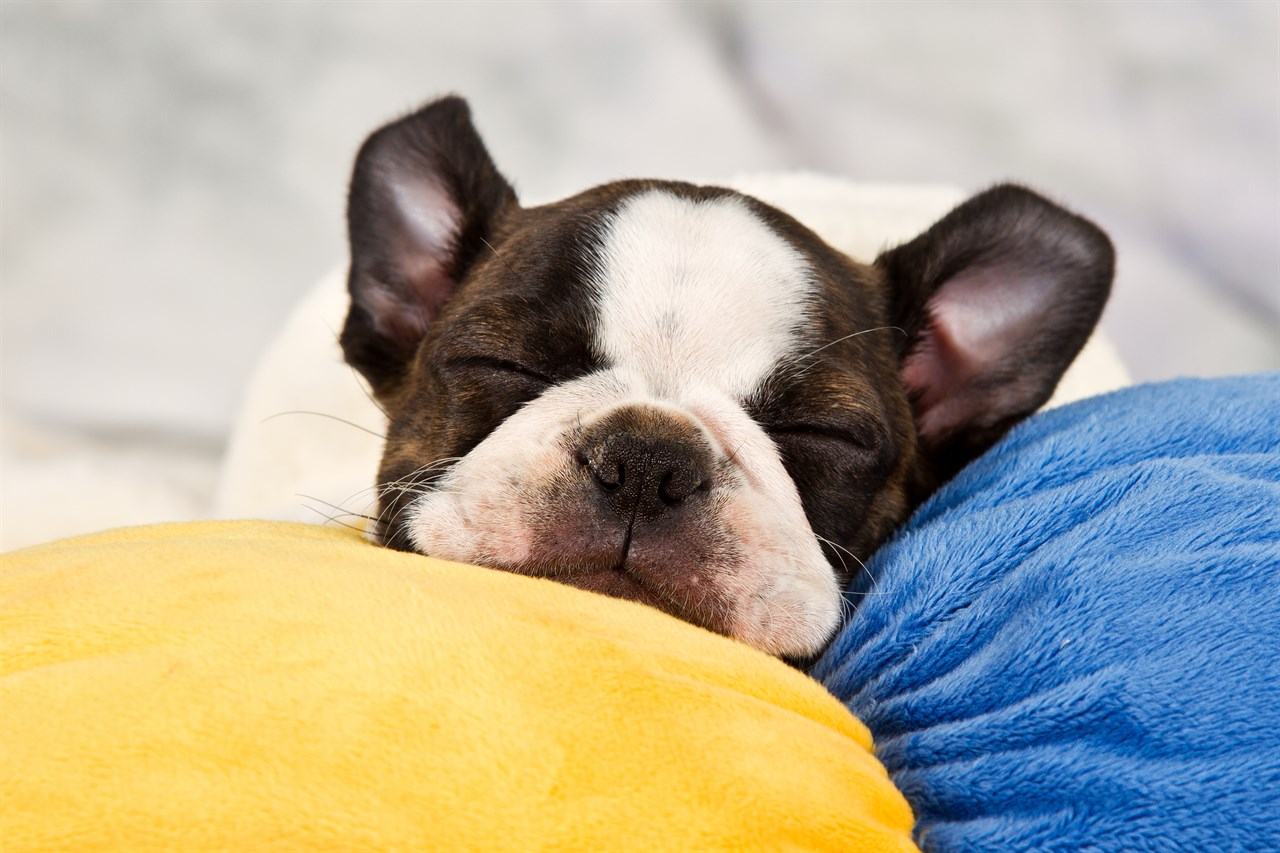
(677, 394)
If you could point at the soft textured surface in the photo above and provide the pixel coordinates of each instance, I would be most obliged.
(1076, 644)
(255, 686)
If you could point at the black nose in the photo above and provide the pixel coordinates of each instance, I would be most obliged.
(641, 475)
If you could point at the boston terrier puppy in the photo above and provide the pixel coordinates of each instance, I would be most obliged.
(677, 394)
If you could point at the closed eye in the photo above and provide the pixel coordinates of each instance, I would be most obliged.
(500, 365)
(866, 438)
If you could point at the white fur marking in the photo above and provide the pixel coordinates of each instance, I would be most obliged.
(699, 293)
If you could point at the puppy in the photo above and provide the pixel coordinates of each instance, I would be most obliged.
(677, 394)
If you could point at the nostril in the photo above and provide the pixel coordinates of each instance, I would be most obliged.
(610, 476)
(678, 484)
(666, 491)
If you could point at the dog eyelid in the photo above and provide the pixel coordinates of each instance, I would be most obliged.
(501, 365)
(864, 436)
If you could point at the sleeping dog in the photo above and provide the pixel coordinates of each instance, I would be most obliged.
(677, 394)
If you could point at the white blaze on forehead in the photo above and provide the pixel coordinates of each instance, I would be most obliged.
(698, 293)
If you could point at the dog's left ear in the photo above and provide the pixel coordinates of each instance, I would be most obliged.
(425, 196)
(997, 299)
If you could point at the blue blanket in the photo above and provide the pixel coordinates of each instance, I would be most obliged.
(1075, 645)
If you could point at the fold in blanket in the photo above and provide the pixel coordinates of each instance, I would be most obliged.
(1076, 644)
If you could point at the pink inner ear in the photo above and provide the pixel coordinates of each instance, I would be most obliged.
(393, 317)
(428, 217)
(422, 245)
(964, 371)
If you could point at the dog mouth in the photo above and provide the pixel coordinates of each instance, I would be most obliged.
(615, 582)
(627, 565)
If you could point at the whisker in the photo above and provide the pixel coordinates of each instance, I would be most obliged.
(340, 509)
(870, 577)
(416, 483)
(406, 482)
(499, 257)
(411, 493)
(334, 520)
(337, 339)
(854, 335)
(801, 364)
(359, 380)
(324, 415)
(843, 565)
(733, 456)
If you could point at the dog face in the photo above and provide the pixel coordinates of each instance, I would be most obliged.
(677, 394)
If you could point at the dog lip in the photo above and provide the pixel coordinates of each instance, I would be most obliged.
(627, 580)
(563, 572)
(608, 580)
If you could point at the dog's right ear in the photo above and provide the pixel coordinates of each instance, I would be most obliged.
(996, 300)
(424, 198)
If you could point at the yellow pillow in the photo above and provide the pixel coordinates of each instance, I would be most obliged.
(260, 686)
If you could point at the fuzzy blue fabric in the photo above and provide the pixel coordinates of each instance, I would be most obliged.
(1075, 645)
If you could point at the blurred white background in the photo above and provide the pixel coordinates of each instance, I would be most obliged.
(172, 175)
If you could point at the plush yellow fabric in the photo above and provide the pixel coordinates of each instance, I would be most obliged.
(252, 686)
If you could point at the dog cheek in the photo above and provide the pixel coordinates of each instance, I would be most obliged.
(508, 513)
(784, 595)
(787, 598)
(479, 526)
(437, 530)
